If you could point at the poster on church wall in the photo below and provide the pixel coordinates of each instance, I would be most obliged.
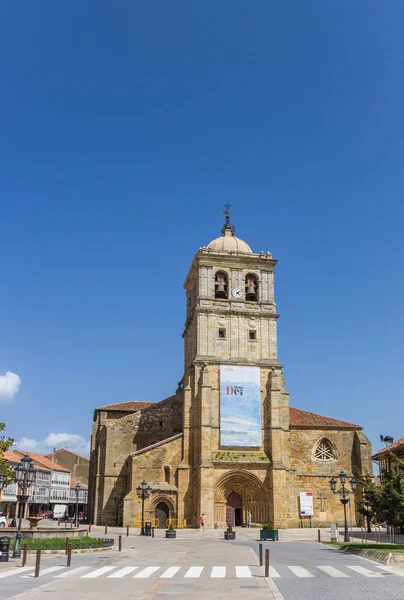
(306, 504)
(240, 406)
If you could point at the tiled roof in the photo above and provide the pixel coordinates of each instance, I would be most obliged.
(11, 456)
(303, 418)
(395, 446)
(73, 484)
(130, 406)
(44, 461)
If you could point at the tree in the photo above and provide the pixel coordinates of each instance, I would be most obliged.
(369, 502)
(5, 443)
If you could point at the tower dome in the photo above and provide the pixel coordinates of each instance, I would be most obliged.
(228, 242)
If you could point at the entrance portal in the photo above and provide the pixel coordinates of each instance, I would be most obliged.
(234, 509)
(162, 513)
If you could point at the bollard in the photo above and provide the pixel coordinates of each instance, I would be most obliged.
(58, 522)
(67, 543)
(69, 554)
(106, 529)
(319, 535)
(24, 555)
(37, 563)
(267, 562)
(120, 543)
(127, 531)
(152, 532)
(362, 534)
(89, 528)
(260, 549)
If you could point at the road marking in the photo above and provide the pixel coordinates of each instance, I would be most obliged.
(170, 572)
(122, 572)
(146, 572)
(332, 571)
(71, 572)
(243, 572)
(194, 572)
(364, 571)
(273, 572)
(97, 573)
(218, 572)
(46, 571)
(300, 571)
(16, 571)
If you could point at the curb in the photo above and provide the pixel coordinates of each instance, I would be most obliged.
(385, 558)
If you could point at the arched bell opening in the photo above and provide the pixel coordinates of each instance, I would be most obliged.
(251, 288)
(221, 285)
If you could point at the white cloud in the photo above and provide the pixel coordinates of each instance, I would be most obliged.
(27, 444)
(9, 385)
(71, 441)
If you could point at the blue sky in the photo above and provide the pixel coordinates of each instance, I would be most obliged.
(126, 126)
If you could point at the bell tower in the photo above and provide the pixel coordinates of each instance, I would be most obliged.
(235, 405)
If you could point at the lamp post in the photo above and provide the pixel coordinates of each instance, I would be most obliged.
(344, 493)
(25, 476)
(77, 490)
(143, 491)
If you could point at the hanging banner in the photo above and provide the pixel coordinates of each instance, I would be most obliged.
(240, 406)
(306, 504)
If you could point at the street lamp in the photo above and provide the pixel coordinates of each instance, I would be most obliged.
(25, 476)
(344, 493)
(1, 481)
(143, 491)
(77, 490)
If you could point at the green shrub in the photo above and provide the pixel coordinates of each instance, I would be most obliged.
(60, 543)
(171, 527)
(229, 527)
(268, 526)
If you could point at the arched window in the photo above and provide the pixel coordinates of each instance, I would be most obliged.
(324, 450)
(251, 288)
(221, 285)
(167, 474)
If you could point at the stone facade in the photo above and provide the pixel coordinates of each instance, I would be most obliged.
(174, 445)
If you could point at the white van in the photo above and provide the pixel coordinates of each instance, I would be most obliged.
(60, 511)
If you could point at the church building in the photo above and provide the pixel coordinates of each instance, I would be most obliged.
(227, 444)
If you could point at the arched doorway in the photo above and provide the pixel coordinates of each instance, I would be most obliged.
(162, 513)
(254, 499)
(234, 509)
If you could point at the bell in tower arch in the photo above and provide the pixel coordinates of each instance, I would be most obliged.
(251, 288)
(220, 285)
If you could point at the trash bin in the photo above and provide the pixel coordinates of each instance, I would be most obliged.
(147, 528)
(4, 549)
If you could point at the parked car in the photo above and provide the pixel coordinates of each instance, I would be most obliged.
(3, 521)
(46, 514)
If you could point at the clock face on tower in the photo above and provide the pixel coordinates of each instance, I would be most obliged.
(237, 292)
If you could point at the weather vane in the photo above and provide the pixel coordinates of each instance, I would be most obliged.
(227, 226)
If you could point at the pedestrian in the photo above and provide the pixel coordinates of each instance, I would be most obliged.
(248, 519)
(202, 522)
(13, 522)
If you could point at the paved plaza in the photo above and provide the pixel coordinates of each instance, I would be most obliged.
(201, 565)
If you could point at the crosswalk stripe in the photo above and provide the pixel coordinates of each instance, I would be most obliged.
(390, 570)
(273, 572)
(71, 572)
(46, 571)
(122, 572)
(16, 571)
(243, 572)
(170, 572)
(146, 572)
(364, 571)
(218, 572)
(194, 572)
(97, 573)
(332, 571)
(300, 571)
